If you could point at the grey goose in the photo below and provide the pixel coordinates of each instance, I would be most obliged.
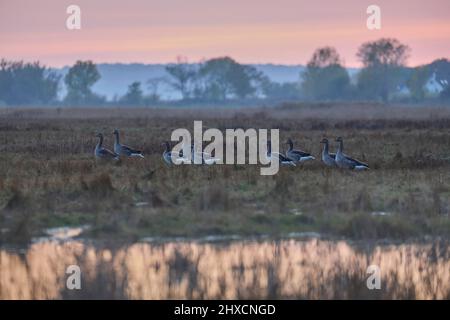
(169, 156)
(283, 160)
(344, 161)
(123, 150)
(102, 153)
(205, 157)
(328, 158)
(297, 156)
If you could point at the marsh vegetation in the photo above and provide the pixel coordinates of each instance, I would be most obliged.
(49, 177)
(238, 270)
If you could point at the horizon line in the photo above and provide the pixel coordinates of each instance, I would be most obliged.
(198, 62)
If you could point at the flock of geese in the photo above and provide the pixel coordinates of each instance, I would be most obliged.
(291, 158)
(337, 160)
(119, 149)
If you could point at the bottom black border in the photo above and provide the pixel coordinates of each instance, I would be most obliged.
(231, 309)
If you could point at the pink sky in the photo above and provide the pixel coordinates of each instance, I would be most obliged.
(251, 31)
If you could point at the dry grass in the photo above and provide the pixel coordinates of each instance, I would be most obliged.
(242, 270)
(49, 178)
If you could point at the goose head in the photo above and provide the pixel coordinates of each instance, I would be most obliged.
(341, 144)
(324, 140)
(116, 135)
(100, 139)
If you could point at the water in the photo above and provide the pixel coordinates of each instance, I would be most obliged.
(61, 233)
(290, 269)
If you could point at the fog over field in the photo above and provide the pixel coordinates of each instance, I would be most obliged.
(115, 78)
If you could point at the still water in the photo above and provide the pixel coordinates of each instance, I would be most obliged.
(290, 269)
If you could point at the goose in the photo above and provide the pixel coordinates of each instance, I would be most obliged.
(206, 157)
(344, 161)
(168, 154)
(124, 150)
(103, 153)
(296, 155)
(281, 157)
(328, 158)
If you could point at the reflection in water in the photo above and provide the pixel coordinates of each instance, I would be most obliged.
(272, 269)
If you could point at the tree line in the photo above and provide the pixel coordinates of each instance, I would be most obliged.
(384, 77)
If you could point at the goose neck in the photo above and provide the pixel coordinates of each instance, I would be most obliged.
(341, 146)
(291, 145)
(325, 148)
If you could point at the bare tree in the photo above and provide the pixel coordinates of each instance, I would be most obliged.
(182, 73)
(153, 87)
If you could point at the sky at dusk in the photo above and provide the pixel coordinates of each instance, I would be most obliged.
(251, 31)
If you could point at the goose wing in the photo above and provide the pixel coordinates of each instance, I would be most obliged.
(356, 162)
(107, 153)
(282, 158)
(176, 157)
(301, 153)
(130, 150)
(299, 156)
(203, 154)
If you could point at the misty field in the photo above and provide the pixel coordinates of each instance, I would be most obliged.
(49, 177)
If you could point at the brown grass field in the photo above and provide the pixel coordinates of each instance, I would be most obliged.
(396, 215)
(49, 176)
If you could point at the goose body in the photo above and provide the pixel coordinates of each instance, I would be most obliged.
(169, 156)
(123, 150)
(346, 162)
(102, 153)
(297, 156)
(206, 157)
(328, 158)
(283, 160)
